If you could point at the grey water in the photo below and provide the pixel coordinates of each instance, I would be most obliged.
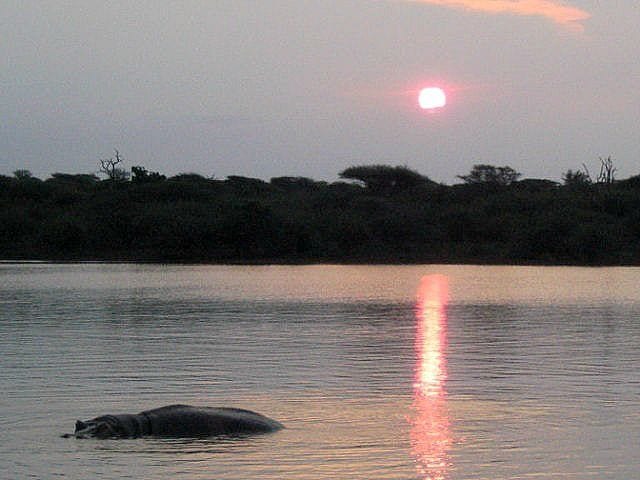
(377, 372)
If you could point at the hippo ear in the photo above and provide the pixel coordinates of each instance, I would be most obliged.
(80, 425)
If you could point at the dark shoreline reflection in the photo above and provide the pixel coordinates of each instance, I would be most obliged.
(430, 433)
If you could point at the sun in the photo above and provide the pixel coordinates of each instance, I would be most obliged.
(431, 98)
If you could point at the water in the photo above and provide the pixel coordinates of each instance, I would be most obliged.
(417, 372)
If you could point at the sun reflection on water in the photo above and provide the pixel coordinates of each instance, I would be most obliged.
(430, 433)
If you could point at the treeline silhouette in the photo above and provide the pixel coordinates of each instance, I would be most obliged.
(378, 214)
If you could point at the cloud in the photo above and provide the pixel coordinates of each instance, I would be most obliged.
(560, 13)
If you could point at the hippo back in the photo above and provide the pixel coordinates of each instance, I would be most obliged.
(188, 421)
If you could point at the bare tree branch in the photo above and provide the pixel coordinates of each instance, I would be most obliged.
(109, 167)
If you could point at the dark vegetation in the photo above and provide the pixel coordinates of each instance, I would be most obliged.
(379, 214)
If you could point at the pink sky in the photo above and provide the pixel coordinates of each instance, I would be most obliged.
(560, 13)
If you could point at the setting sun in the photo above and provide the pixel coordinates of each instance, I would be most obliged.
(432, 97)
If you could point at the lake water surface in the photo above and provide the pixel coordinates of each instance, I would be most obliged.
(378, 372)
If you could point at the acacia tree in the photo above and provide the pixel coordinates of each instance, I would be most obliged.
(490, 174)
(384, 178)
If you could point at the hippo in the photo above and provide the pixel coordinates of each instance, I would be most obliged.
(176, 421)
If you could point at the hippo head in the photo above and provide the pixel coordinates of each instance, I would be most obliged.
(107, 426)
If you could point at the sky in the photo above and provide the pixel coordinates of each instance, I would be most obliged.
(310, 87)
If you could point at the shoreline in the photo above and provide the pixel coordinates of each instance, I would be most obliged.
(309, 262)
